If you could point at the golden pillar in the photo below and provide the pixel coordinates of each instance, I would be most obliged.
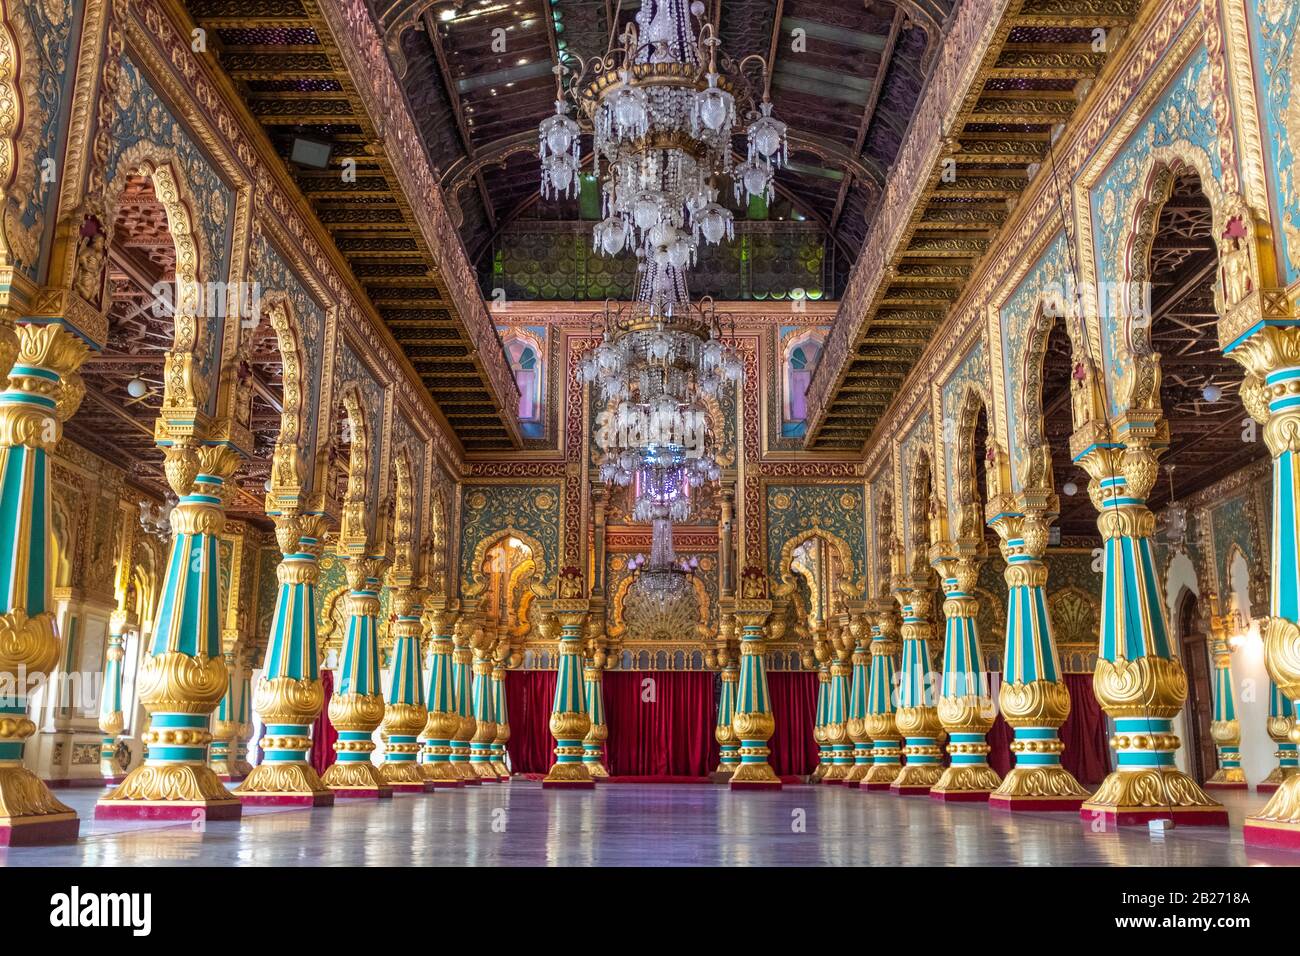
(570, 721)
(1033, 696)
(357, 709)
(859, 691)
(917, 716)
(405, 713)
(503, 719)
(881, 722)
(723, 655)
(43, 391)
(753, 721)
(443, 722)
(966, 708)
(1138, 679)
(184, 675)
(821, 652)
(462, 694)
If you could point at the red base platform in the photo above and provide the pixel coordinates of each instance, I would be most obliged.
(568, 784)
(876, 787)
(445, 784)
(960, 796)
(40, 832)
(421, 787)
(287, 799)
(1275, 836)
(755, 785)
(1227, 786)
(909, 791)
(1035, 804)
(369, 793)
(1141, 816)
(141, 810)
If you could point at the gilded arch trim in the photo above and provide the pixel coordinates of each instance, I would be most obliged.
(478, 582)
(850, 588)
(288, 467)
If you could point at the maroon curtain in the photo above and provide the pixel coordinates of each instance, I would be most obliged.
(794, 706)
(529, 696)
(999, 739)
(660, 723)
(323, 733)
(1087, 749)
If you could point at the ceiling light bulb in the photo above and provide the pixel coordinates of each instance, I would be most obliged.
(1070, 488)
(1212, 392)
(137, 388)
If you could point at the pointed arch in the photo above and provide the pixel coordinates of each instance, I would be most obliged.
(974, 399)
(290, 477)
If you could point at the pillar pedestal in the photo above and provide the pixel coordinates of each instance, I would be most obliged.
(570, 721)
(753, 722)
(916, 717)
(881, 726)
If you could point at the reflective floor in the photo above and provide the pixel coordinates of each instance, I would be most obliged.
(642, 824)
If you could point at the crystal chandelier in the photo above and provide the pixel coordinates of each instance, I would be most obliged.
(156, 518)
(655, 377)
(661, 599)
(662, 109)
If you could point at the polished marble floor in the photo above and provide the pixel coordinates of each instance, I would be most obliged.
(642, 824)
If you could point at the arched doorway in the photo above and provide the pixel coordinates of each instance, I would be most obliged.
(1199, 709)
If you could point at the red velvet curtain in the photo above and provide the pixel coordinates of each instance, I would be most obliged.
(794, 705)
(663, 728)
(1087, 749)
(323, 733)
(529, 696)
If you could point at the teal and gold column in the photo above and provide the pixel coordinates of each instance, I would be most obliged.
(463, 698)
(405, 713)
(593, 745)
(1281, 720)
(823, 707)
(723, 732)
(443, 721)
(289, 694)
(837, 712)
(1139, 679)
(111, 720)
(43, 391)
(1270, 351)
(503, 721)
(1225, 728)
(882, 725)
(184, 676)
(754, 723)
(858, 692)
(357, 708)
(239, 765)
(965, 703)
(1033, 695)
(570, 721)
(917, 717)
(225, 723)
(484, 708)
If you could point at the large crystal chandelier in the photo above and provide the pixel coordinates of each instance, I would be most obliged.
(655, 377)
(663, 109)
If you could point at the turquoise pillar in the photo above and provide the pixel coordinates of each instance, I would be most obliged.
(503, 722)
(723, 733)
(1138, 680)
(1281, 722)
(753, 723)
(570, 721)
(111, 719)
(184, 674)
(819, 726)
(357, 708)
(405, 712)
(485, 719)
(462, 697)
(290, 695)
(443, 721)
(837, 722)
(858, 694)
(1033, 695)
(882, 725)
(917, 716)
(593, 745)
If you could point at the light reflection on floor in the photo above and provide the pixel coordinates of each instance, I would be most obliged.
(642, 824)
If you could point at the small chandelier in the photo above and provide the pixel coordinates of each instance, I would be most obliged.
(663, 108)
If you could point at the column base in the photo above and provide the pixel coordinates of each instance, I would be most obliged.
(284, 784)
(502, 773)
(1226, 785)
(421, 787)
(774, 784)
(1039, 789)
(169, 792)
(915, 780)
(721, 776)
(548, 784)
(445, 784)
(44, 830)
(966, 783)
(1135, 797)
(107, 809)
(402, 777)
(1278, 824)
(356, 780)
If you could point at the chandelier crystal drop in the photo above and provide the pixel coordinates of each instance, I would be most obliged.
(661, 599)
